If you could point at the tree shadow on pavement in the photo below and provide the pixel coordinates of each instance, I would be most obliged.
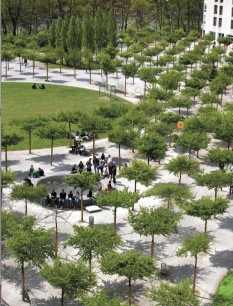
(222, 259)
(144, 247)
(54, 301)
(226, 223)
(32, 278)
(46, 158)
(182, 233)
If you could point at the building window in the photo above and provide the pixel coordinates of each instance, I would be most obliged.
(231, 24)
(215, 21)
(220, 35)
(215, 9)
(205, 8)
(220, 22)
(221, 1)
(220, 10)
(216, 0)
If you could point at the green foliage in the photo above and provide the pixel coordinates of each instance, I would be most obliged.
(93, 242)
(171, 193)
(129, 70)
(101, 298)
(10, 222)
(220, 155)
(152, 146)
(31, 244)
(194, 245)
(150, 107)
(224, 294)
(140, 172)
(192, 140)
(224, 130)
(113, 111)
(169, 80)
(94, 123)
(72, 278)
(172, 295)
(10, 138)
(84, 180)
(183, 165)
(51, 131)
(111, 28)
(7, 178)
(130, 264)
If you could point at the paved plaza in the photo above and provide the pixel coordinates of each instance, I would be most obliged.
(211, 267)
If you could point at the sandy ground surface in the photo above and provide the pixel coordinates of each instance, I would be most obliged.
(211, 267)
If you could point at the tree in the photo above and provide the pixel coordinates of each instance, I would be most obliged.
(30, 244)
(70, 118)
(9, 139)
(192, 141)
(95, 125)
(129, 264)
(111, 28)
(215, 180)
(84, 180)
(220, 156)
(72, 278)
(52, 132)
(106, 64)
(180, 102)
(183, 165)
(122, 136)
(140, 172)
(88, 41)
(205, 208)
(117, 199)
(99, 30)
(224, 130)
(153, 221)
(129, 70)
(170, 193)
(210, 98)
(93, 242)
(28, 125)
(101, 298)
(194, 246)
(28, 193)
(172, 295)
(7, 179)
(152, 146)
(147, 75)
(7, 56)
(169, 80)
(10, 222)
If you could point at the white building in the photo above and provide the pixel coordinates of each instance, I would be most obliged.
(218, 18)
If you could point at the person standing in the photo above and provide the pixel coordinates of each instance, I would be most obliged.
(62, 198)
(95, 163)
(114, 171)
(80, 167)
(89, 164)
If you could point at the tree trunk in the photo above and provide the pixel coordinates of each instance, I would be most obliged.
(215, 193)
(6, 161)
(180, 178)
(60, 66)
(93, 144)
(6, 70)
(90, 76)
(194, 274)
(74, 72)
(135, 186)
(89, 262)
(148, 160)
(51, 159)
(62, 297)
(20, 66)
(23, 280)
(205, 226)
(26, 208)
(129, 292)
(30, 142)
(187, 112)
(47, 71)
(114, 221)
(125, 85)
(56, 233)
(70, 133)
(152, 246)
(119, 151)
(81, 206)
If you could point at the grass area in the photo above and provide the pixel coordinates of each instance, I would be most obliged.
(20, 101)
(224, 294)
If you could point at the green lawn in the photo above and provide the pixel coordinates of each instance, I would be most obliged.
(224, 295)
(20, 100)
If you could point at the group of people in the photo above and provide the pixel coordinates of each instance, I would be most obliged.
(35, 173)
(35, 87)
(73, 199)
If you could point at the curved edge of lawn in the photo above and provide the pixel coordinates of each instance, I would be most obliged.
(224, 294)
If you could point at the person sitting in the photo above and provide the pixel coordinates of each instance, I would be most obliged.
(109, 186)
(36, 173)
(53, 197)
(80, 149)
(42, 86)
(41, 171)
(34, 86)
(91, 197)
(81, 166)
(62, 198)
(27, 181)
(31, 171)
(71, 199)
(74, 169)
(76, 199)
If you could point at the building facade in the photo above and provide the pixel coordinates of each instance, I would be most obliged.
(218, 18)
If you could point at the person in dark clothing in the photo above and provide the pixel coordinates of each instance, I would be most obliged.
(62, 198)
(80, 166)
(41, 171)
(34, 86)
(42, 86)
(53, 197)
(74, 169)
(114, 171)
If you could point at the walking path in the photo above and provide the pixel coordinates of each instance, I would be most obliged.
(211, 267)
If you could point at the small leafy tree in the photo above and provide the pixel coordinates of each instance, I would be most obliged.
(152, 146)
(220, 155)
(30, 244)
(7, 179)
(205, 208)
(72, 278)
(10, 221)
(215, 180)
(224, 130)
(194, 246)
(117, 199)
(169, 295)
(130, 264)
(28, 193)
(101, 298)
(170, 193)
(183, 165)
(28, 125)
(9, 139)
(140, 172)
(94, 241)
(84, 180)
(52, 132)
(129, 70)
(153, 221)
